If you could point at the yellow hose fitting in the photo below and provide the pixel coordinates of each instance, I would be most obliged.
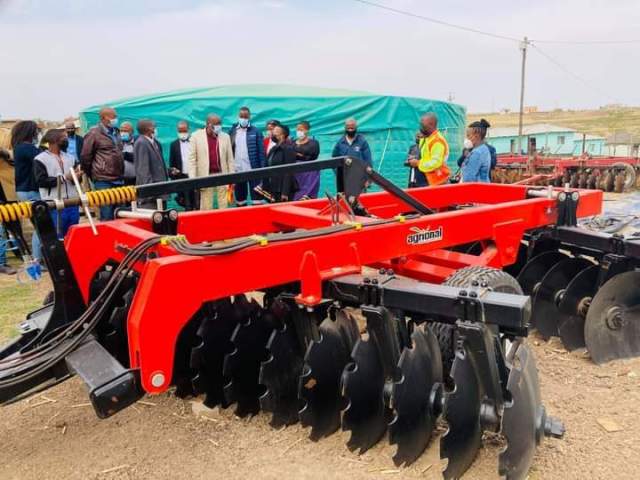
(260, 240)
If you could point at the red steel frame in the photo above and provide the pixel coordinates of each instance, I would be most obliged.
(172, 287)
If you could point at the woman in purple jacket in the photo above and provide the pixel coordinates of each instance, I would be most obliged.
(307, 149)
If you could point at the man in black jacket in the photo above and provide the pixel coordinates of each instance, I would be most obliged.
(178, 164)
(283, 187)
(150, 167)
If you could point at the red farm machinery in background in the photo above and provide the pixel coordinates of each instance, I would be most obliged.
(376, 313)
(610, 174)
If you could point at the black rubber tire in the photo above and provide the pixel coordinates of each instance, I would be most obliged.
(487, 277)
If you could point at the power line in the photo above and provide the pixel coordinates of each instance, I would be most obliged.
(571, 74)
(438, 22)
(491, 34)
(587, 42)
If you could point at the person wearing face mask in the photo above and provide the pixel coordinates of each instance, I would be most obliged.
(268, 142)
(179, 164)
(434, 151)
(211, 153)
(281, 188)
(52, 174)
(75, 140)
(24, 142)
(477, 165)
(128, 140)
(101, 157)
(149, 163)
(416, 177)
(351, 144)
(248, 151)
(307, 149)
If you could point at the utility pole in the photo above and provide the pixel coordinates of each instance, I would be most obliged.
(450, 98)
(523, 47)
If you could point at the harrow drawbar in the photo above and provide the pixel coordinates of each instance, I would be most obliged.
(392, 315)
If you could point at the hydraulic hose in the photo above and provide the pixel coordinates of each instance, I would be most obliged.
(38, 358)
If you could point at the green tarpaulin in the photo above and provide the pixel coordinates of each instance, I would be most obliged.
(388, 122)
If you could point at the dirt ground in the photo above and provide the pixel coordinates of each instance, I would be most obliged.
(57, 435)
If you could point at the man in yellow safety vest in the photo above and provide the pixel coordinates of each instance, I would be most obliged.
(434, 151)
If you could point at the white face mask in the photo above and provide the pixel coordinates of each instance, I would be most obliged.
(468, 144)
(217, 129)
(183, 135)
(300, 134)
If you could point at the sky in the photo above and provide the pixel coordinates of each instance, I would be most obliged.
(58, 57)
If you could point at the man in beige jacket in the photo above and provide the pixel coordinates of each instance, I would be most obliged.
(210, 154)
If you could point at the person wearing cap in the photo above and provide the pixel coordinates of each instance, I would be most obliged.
(248, 153)
(102, 158)
(75, 140)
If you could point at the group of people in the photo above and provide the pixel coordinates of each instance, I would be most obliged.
(113, 154)
(427, 158)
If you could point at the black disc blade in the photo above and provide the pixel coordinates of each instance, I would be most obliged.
(413, 397)
(461, 442)
(207, 358)
(521, 417)
(612, 328)
(545, 314)
(183, 373)
(574, 306)
(532, 273)
(366, 415)
(319, 387)
(242, 366)
(280, 375)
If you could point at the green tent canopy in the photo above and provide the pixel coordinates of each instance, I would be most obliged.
(388, 122)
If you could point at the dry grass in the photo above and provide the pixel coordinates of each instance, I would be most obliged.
(595, 122)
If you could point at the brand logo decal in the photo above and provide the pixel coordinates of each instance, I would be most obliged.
(424, 235)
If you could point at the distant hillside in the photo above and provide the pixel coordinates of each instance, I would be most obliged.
(597, 122)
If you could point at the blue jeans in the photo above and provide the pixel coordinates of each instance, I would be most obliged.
(35, 239)
(69, 216)
(3, 247)
(106, 213)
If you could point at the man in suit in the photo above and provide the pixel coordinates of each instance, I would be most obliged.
(147, 152)
(179, 164)
(211, 153)
(75, 140)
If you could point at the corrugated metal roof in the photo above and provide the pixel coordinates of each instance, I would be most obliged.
(623, 138)
(535, 129)
(578, 137)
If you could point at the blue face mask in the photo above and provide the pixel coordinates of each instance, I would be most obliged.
(125, 137)
(113, 122)
(243, 122)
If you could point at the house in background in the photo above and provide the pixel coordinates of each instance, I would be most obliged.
(623, 144)
(545, 138)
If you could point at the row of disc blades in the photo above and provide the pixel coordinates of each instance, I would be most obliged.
(239, 352)
(568, 302)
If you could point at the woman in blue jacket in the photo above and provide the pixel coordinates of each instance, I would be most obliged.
(477, 166)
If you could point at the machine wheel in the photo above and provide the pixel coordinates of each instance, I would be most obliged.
(486, 277)
(629, 174)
